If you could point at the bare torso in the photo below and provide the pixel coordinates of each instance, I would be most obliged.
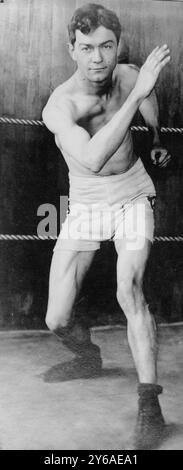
(99, 112)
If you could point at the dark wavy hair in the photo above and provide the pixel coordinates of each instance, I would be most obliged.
(90, 17)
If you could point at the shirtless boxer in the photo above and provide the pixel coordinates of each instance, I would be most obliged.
(90, 115)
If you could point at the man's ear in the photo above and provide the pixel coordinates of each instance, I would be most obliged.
(72, 52)
(120, 47)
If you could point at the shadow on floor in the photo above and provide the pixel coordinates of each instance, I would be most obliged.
(173, 430)
(66, 371)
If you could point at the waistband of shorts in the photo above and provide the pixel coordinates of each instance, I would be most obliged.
(100, 179)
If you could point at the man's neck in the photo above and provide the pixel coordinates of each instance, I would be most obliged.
(102, 88)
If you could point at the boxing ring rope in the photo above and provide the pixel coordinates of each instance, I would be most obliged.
(34, 122)
(48, 238)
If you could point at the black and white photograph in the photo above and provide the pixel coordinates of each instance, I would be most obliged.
(91, 229)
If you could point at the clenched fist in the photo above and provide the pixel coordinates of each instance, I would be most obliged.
(160, 156)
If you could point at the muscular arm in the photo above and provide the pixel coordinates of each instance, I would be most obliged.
(149, 109)
(93, 152)
(159, 154)
(150, 112)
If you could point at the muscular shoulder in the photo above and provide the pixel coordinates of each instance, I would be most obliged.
(127, 74)
(62, 94)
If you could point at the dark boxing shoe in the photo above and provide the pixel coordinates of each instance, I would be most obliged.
(91, 359)
(150, 425)
(88, 361)
(81, 367)
(84, 366)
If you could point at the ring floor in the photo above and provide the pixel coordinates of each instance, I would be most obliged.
(40, 411)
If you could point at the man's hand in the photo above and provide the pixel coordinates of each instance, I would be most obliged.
(149, 72)
(160, 156)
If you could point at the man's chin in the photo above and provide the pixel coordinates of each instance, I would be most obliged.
(99, 80)
(99, 77)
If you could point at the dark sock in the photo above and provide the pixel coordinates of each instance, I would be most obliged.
(149, 390)
(78, 339)
(150, 422)
(148, 397)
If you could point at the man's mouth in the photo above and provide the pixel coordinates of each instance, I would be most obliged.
(98, 69)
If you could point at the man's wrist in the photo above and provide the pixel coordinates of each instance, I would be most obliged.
(156, 143)
(136, 97)
(155, 135)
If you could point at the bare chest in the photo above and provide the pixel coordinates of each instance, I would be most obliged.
(102, 113)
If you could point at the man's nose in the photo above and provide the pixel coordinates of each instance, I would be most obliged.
(97, 56)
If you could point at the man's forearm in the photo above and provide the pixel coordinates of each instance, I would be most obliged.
(150, 112)
(155, 134)
(107, 140)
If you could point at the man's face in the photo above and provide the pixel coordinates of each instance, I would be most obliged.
(95, 53)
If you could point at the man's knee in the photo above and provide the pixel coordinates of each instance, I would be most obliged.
(127, 288)
(54, 321)
(124, 289)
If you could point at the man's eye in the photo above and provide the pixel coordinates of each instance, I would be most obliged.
(86, 49)
(107, 46)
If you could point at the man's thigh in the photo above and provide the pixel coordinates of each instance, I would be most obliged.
(131, 263)
(69, 266)
(136, 223)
